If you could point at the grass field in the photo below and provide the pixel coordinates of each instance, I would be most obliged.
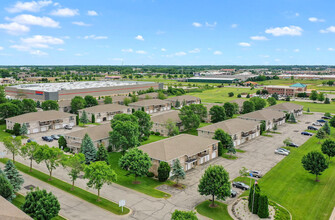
(291, 186)
(317, 107)
(83, 194)
(19, 200)
(217, 213)
(3, 134)
(220, 95)
(147, 185)
(311, 84)
(152, 138)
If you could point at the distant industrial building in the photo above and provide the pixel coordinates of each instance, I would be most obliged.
(307, 77)
(68, 90)
(213, 80)
(292, 90)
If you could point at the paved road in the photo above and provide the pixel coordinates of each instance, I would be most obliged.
(259, 155)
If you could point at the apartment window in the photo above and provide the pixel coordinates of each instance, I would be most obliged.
(214, 146)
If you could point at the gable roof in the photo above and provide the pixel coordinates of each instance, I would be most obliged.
(177, 146)
(182, 98)
(105, 108)
(96, 133)
(153, 95)
(264, 114)
(8, 211)
(149, 102)
(231, 126)
(286, 106)
(64, 103)
(40, 116)
(163, 117)
(299, 85)
(239, 102)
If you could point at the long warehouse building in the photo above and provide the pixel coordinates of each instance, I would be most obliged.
(68, 90)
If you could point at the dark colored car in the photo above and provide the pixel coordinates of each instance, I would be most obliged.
(321, 121)
(306, 133)
(233, 193)
(47, 138)
(291, 144)
(241, 185)
(312, 128)
(326, 117)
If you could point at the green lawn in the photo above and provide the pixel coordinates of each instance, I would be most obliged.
(217, 213)
(3, 134)
(81, 193)
(152, 138)
(220, 95)
(147, 185)
(19, 200)
(85, 125)
(317, 107)
(291, 186)
(194, 130)
(311, 84)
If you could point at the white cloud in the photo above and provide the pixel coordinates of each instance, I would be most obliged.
(331, 49)
(141, 52)
(196, 24)
(65, 12)
(234, 25)
(79, 54)
(244, 44)
(38, 53)
(297, 14)
(330, 29)
(217, 52)
(95, 37)
(127, 50)
(34, 20)
(258, 38)
(277, 60)
(41, 41)
(15, 28)
(1, 48)
(181, 53)
(195, 50)
(314, 19)
(60, 49)
(296, 50)
(281, 31)
(163, 49)
(318, 48)
(92, 13)
(80, 23)
(33, 6)
(211, 25)
(139, 37)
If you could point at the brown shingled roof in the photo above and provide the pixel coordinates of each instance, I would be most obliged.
(182, 98)
(40, 116)
(239, 102)
(264, 114)
(177, 146)
(96, 133)
(152, 95)
(105, 108)
(165, 116)
(64, 103)
(149, 102)
(285, 106)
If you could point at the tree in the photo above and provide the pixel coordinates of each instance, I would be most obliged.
(217, 113)
(199, 110)
(91, 101)
(41, 205)
(230, 94)
(29, 105)
(275, 95)
(77, 103)
(177, 171)
(188, 118)
(321, 134)
(16, 129)
(287, 141)
(326, 128)
(126, 101)
(135, 162)
(163, 171)
(102, 154)
(262, 127)
(184, 215)
(308, 110)
(51, 156)
(314, 95)
(84, 118)
(62, 142)
(292, 118)
(8, 110)
(27, 151)
(224, 138)
(144, 122)
(88, 149)
(177, 105)
(24, 129)
(315, 163)
(327, 101)
(328, 148)
(171, 128)
(321, 96)
(253, 199)
(108, 100)
(259, 103)
(230, 109)
(14, 177)
(272, 101)
(38, 104)
(248, 107)
(215, 182)
(50, 105)
(6, 188)
(161, 95)
(134, 98)
(124, 135)
(332, 122)
(13, 145)
(327, 114)
(99, 173)
(76, 164)
(263, 206)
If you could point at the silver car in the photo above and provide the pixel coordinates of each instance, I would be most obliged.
(283, 149)
(317, 124)
(281, 152)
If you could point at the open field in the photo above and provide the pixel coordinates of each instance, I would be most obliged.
(311, 84)
(315, 107)
(220, 95)
(147, 185)
(294, 188)
(216, 213)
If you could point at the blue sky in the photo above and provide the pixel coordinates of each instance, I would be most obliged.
(160, 32)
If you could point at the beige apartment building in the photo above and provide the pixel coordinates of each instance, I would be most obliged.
(151, 95)
(64, 105)
(240, 130)
(271, 117)
(190, 150)
(42, 121)
(160, 120)
(151, 105)
(184, 99)
(104, 112)
(288, 107)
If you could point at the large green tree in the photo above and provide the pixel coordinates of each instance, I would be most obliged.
(328, 148)
(27, 151)
(248, 106)
(230, 109)
(98, 174)
(177, 171)
(102, 154)
(88, 149)
(326, 128)
(217, 113)
(224, 138)
(259, 103)
(13, 175)
(13, 145)
(6, 188)
(332, 122)
(200, 110)
(108, 100)
(90, 101)
(145, 124)
(163, 171)
(50, 105)
(321, 134)
(8, 110)
(135, 162)
(188, 118)
(41, 205)
(315, 163)
(272, 101)
(29, 105)
(215, 182)
(171, 128)
(74, 164)
(314, 95)
(125, 135)
(77, 103)
(84, 118)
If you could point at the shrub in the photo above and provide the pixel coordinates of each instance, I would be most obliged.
(157, 133)
(163, 171)
(263, 206)
(150, 174)
(16, 129)
(239, 96)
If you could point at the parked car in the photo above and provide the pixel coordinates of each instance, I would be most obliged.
(291, 144)
(241, 185)
(30, 140)
(281, 152)
(317, 124)
(47, 138)
(312, 128)
(321, 121)
(233, 193)
(283, 149)
(255, 173)
(306, 133)
(55, 136)
(68, 127)
(326, 117)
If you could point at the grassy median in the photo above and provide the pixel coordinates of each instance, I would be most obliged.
(217, 213)
(78, 192)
